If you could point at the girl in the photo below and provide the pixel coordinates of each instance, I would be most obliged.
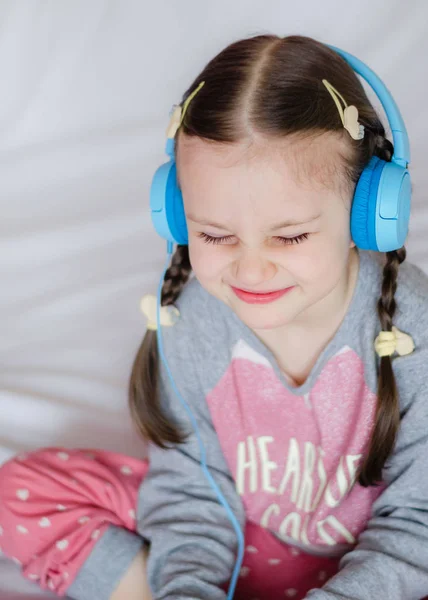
(302, 357)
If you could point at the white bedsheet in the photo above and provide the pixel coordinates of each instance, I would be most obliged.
(85, 97)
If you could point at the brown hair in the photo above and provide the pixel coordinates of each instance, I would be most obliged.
(273, 86)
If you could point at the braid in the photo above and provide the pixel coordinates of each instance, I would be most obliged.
(387, 419)
(144, 400)
(383, 147)
(176, 276)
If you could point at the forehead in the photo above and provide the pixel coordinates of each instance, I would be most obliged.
(311, 163)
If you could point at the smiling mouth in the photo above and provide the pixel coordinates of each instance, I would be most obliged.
(260, 297)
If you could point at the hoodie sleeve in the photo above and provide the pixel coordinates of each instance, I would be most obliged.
(192, 541)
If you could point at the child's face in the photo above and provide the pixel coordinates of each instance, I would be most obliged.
(244, 194)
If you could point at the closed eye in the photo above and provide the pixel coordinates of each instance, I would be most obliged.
(209, 239)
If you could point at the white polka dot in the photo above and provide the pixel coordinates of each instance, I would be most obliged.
(96, 534)
(251, 549)
(66, 575)
(63, 455)
(274, 561)
(83, 520)
(244, 571)
(33, 576)
(15, 560)
(295, 552)
(44, 522)
(61, 507)
(21, 529)
(51, 585)
(23, 494)
(291, 592)
(322, 575)
(132, 514)
(126, 470)
(62, 544)
(1, 530)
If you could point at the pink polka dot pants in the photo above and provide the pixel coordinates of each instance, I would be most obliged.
(275, 571)
(55, 504)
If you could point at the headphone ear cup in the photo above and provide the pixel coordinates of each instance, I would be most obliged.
(363, 212)
(381, 207)
(176, 216)
(393, 214)
(166, 205)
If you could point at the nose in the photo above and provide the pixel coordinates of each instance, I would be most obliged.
(252, 269)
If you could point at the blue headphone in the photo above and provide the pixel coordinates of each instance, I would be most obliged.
(380, 211)
(379, 221)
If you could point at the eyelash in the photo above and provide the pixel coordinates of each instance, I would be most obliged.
(298, 239)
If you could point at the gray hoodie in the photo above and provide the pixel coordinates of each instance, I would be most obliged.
(296, 448)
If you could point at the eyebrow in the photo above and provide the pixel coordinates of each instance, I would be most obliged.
(282, 225)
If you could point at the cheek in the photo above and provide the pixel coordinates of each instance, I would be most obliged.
(320, 262)
(208, 261)
(331, 262)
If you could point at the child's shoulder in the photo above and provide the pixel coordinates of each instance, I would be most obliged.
(412, 297)
(203, 317)
(413, 280)
(196, 305)
(193, 295)
(411, 317)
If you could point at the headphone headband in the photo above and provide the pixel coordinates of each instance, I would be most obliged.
(398, 129)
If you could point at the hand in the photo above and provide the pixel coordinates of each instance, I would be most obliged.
(134, 585)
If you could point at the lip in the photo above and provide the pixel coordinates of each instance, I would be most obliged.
(259, 298)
